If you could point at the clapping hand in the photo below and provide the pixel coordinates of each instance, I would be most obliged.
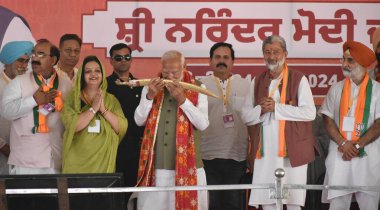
(98, 100)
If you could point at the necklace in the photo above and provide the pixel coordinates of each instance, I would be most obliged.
(85, 97)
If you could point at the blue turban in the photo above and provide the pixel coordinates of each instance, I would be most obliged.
(13, 50)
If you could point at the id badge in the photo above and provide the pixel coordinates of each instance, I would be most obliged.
(95, 128)
(46, 109)
(228, 120)
(348, 124)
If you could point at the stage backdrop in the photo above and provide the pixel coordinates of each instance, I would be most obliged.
(314, 31)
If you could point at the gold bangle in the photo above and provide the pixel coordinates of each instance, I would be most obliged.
(105, 111)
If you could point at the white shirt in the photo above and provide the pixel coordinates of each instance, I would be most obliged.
(13, 105)
(305, 111)
(250, 115)
(362, 171)
(5, 127)
(62, 73)
(198, 115)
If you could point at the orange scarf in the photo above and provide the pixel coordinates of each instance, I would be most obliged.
(185, 167)
(40, 125)
(362, 107)
(282, 152)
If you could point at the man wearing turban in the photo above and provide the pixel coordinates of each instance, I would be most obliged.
(15, 56)
(13, 27)
(352, 120)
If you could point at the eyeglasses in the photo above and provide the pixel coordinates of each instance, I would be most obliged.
(39, 54)
(167, 72)
(22, 60)
(349, 60)
(119, 58)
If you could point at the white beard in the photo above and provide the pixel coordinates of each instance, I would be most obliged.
(277, 65)
(356, 73)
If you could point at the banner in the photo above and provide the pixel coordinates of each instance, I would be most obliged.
(314, 31)
(311, 30)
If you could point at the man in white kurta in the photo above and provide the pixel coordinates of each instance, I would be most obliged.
(39, 152)
(274, 50)
(165, 151)
(15, 56)
(344, 164)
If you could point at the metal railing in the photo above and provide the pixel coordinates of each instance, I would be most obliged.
(278, 190)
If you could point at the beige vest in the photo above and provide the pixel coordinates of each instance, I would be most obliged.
(218, 141)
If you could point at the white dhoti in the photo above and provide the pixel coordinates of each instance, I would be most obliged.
(166, 200)
(359, 171)
(263, 172)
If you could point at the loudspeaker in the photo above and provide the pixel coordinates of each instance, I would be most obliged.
(90, 201)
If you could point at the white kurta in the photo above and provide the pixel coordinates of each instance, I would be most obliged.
(61, 73)
(264, 167)
(27, 149)
(5, 127)
(198, 116)
(359, 171)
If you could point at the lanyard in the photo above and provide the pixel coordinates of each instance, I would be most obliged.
(225, 97)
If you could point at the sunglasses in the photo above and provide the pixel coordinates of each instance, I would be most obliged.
(119, 58)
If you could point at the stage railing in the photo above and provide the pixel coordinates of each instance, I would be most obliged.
(278, 190)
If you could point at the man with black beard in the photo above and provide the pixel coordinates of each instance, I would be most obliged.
(128, 153)
(225, 141)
